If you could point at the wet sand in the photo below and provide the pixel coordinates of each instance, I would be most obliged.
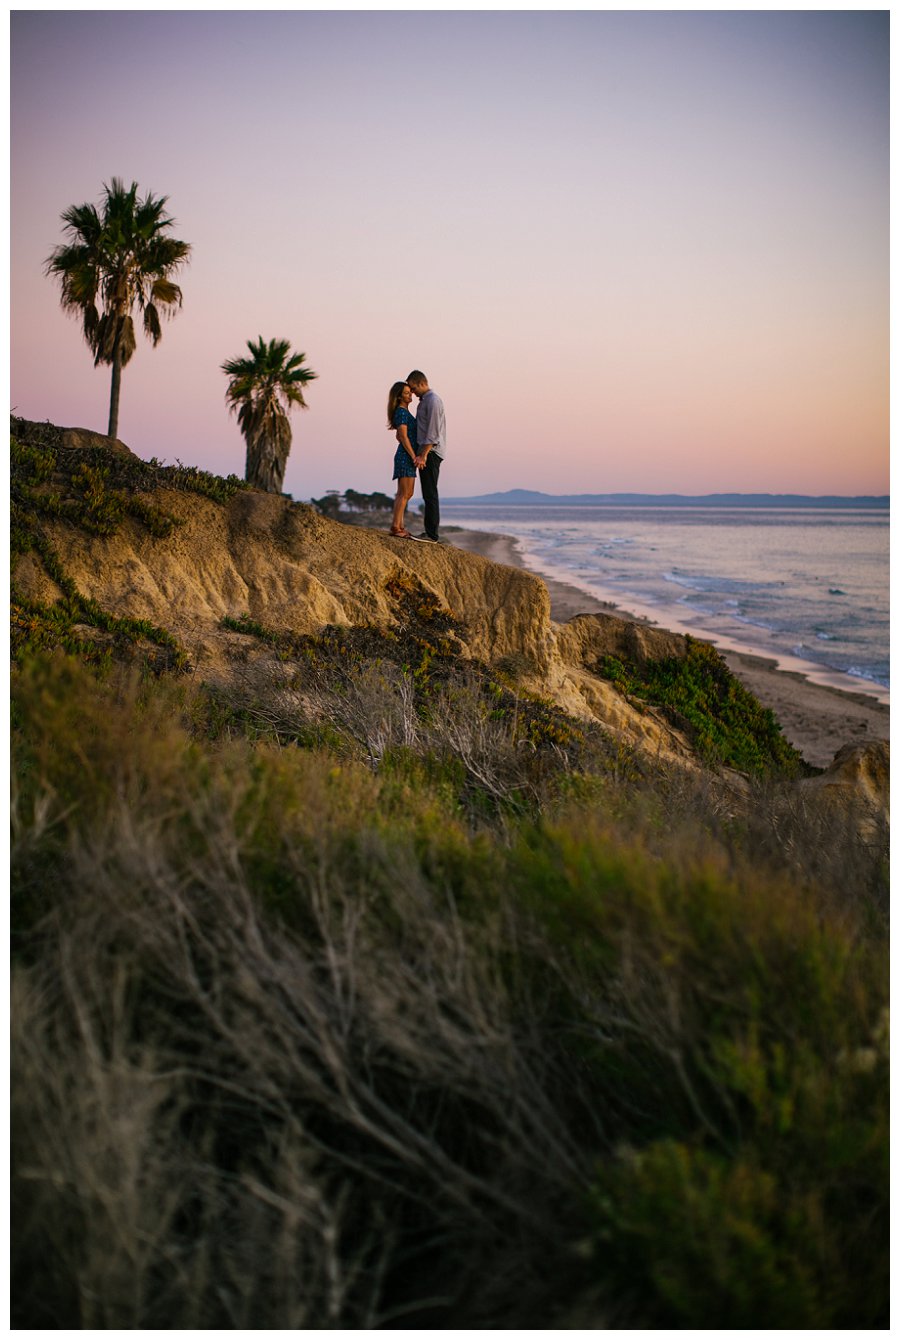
(818, 719)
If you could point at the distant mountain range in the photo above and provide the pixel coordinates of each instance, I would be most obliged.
(528, 497)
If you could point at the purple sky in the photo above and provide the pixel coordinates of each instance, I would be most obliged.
(632, 250)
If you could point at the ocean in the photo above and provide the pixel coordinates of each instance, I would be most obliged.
(807, 586)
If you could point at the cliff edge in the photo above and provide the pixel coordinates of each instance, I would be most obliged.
(191, 554)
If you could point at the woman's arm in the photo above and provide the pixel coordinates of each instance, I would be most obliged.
(403, 439)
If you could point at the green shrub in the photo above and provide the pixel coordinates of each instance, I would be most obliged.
(702, 1237)
(698, 692)
(250, 628)
(738, 1043)
(38, 454)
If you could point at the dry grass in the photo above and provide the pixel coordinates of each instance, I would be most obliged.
(306, 1038)
(226, 1120)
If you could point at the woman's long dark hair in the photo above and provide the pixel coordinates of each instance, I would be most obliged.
(394, 401)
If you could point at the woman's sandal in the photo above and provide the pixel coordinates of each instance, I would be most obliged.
(400, 534)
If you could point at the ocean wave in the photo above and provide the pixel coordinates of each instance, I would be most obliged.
(768, 600)
(754, 623)
(719, 586)
(678, 580)
(696, 608)
(873, 676)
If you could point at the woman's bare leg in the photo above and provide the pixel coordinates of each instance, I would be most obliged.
(408, 493)
(399, 505)
(405, 489)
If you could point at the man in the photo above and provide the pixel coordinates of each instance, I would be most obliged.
(431, 437)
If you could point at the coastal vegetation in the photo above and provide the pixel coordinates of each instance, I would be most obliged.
(117, 259)
(726, 723)
(262, 390)
(371, 989)
(95, 490)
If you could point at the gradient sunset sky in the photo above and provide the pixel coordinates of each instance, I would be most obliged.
(633, 251)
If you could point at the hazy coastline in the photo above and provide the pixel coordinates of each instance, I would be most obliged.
(818, 713)
(748, 501)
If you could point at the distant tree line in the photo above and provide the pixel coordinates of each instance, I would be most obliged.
(350, 501)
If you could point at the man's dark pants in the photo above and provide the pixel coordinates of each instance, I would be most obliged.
(429, 478)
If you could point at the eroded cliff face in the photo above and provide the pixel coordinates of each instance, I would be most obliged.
(292, 570)
(284, 566)
(856, 786)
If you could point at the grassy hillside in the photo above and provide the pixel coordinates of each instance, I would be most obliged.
(373, 992)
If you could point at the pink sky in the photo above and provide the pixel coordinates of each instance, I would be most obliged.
(639, 251)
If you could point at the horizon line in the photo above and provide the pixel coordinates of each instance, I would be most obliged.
(525, 495)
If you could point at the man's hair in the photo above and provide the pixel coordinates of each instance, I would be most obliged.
(417, 378)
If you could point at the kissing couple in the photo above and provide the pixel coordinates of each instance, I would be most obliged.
(421, 444)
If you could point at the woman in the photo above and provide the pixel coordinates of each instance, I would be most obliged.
(404, 424)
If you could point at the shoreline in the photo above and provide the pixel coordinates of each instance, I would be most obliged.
(818, 718)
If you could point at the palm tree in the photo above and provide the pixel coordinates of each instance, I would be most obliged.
(261, 392)
(116, 258)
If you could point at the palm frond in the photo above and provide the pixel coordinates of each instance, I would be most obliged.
(114, 336)
(90, 322)
(82, 221)
(165, 292)
(78, 275)
(297, 372)
(152, 328)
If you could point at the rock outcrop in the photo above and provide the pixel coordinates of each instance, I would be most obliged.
(857, 785)
(80, 438)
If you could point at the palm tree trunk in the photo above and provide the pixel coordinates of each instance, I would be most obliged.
(113, 430)
(266, 461)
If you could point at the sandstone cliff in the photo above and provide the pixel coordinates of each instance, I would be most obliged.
(285, 567)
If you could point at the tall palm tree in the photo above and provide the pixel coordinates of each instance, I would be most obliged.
(262, 391)
(117, 258)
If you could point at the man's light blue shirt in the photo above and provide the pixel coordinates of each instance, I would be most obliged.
(430, 425)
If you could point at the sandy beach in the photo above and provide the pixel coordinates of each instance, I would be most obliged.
(818, 719)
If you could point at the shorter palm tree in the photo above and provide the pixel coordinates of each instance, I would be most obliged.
(262, 391)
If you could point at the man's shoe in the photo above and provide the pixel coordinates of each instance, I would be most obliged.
(433, 538)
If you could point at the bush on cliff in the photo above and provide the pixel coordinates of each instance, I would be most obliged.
(722, 718)
(307, 1035)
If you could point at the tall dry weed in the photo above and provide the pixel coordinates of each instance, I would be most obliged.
(224, 1121)
(300, 1041)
